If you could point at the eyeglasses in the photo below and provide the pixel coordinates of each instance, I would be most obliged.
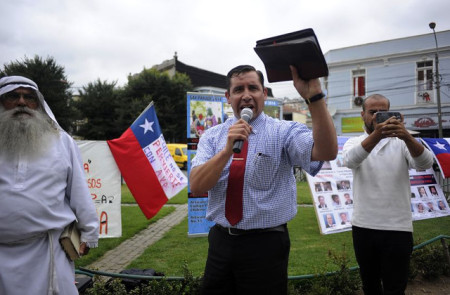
(12, 97)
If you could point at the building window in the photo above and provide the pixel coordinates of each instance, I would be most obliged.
(359, 83)
(424, 82)
(359, 86)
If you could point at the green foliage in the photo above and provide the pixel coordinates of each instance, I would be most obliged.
(168, 95)
(52, 82)
(188, 286)
(101, 287)
(98, 104)
(430, 262)
(341, 282)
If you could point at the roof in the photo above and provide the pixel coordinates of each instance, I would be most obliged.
(199, 77)
(389, 47)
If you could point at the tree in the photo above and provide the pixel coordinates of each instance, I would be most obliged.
(52, 82)
(98, 104)
(168, 95)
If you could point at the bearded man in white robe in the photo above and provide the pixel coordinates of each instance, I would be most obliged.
(42, 190)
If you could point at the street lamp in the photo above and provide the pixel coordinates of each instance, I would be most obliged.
(438, 82)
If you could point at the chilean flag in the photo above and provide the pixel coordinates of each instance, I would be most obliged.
(146, 164)
(441, 150)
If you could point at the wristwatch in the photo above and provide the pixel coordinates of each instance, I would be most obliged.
(315, 98)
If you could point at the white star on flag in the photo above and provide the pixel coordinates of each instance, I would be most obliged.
(440, 146)
(147, 126)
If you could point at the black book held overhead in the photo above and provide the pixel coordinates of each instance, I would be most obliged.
(300, 49)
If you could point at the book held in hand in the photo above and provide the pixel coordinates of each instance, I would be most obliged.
(70, 241)
(300, 49)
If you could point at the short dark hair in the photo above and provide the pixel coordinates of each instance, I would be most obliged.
(243, 69)
(376, 96)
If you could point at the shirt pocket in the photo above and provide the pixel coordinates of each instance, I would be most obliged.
(261, 176)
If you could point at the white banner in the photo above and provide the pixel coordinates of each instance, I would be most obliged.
(332, 195)
(104, 182)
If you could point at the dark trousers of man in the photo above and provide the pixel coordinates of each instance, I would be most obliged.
(254, 263)
(383, 258)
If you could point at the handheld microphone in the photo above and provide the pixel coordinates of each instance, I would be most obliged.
(246, 115)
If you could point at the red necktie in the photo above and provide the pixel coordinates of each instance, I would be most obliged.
(233, 203)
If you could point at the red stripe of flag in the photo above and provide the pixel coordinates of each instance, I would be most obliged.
(138, 173)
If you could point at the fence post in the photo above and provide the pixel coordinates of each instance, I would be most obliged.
(447, 255)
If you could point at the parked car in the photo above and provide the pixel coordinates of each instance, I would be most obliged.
(179, 154)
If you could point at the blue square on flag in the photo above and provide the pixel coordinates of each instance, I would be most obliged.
(441, 150)
(146, 128)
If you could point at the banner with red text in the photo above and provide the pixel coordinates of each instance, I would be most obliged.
(146, 165)
(104, 182)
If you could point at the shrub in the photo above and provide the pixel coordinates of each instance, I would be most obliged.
(188, 286)
(430, 262)
(341, 282)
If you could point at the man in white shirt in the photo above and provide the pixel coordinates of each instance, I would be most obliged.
(382, 220)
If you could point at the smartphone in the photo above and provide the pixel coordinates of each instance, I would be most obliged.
(383, 116)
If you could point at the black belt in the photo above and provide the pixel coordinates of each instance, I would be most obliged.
(238, 232)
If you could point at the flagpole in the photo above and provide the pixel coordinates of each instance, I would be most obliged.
(149, 106)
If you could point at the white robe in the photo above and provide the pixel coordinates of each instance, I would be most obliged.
(37, 200)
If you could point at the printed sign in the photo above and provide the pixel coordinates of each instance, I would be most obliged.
(104, 182)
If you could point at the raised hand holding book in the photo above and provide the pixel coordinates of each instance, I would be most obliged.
(300, 49)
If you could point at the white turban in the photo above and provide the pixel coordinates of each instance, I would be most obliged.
(10, 83)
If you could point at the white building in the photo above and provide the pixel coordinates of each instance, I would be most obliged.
(403, 70)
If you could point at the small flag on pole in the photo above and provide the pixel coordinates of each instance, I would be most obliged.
(146, 164)
(441, 150)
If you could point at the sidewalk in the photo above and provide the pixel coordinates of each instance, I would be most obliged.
(117, 259)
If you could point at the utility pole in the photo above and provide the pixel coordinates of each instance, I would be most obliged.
(438, 82)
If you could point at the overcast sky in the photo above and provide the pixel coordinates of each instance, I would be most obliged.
(109, 39)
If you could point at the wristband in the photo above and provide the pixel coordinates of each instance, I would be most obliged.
(314, 98)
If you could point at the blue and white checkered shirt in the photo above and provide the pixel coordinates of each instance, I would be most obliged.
(270, 192)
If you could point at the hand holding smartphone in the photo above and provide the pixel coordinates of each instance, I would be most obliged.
(380, 117)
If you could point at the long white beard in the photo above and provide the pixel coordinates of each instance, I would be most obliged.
(25, 132)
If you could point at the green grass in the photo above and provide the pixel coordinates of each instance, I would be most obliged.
(304, 193)
(127, 197)
(309, 249)
(133, 221)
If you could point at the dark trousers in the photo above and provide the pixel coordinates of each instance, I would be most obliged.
(254, 263)
(383, 258)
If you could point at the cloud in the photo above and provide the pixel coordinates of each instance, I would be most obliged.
(111, 39)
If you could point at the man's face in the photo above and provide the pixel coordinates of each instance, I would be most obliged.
(25, 129)
(246, 91)
(344, 217)
(20, 97)
(329, 219)
(372, 106)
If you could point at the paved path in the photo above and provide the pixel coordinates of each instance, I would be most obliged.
(117, 259)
